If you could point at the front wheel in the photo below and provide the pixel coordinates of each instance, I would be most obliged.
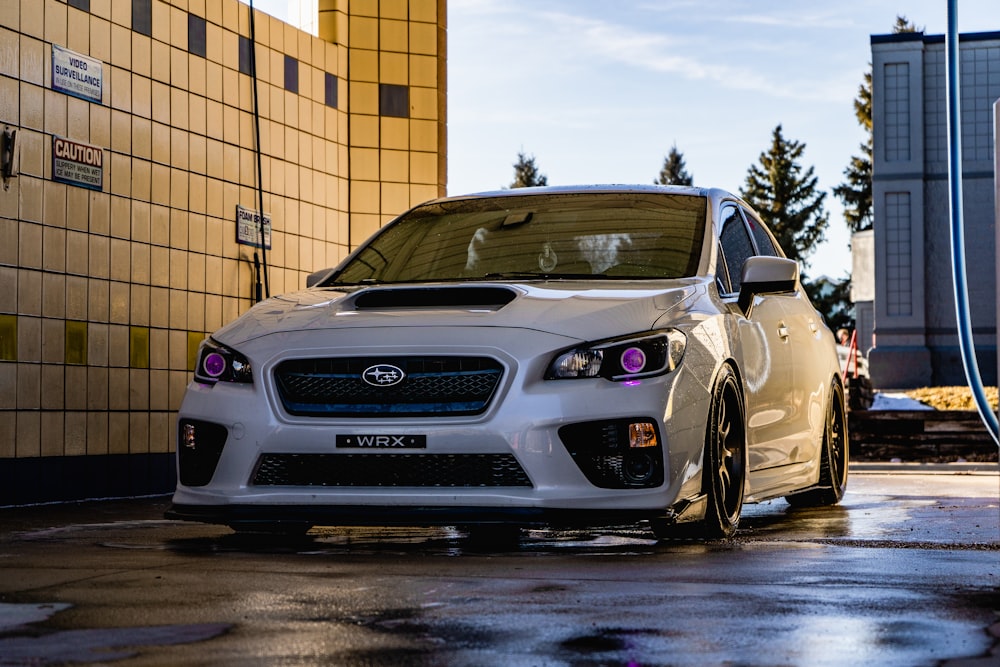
(833, 458)
(725, 466)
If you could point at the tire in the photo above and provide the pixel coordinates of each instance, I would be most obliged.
(725, 466)
(834, 458)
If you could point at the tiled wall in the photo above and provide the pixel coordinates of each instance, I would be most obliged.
(105, 294)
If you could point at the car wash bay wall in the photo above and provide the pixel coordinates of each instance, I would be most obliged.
(133, 146)
(915, 326)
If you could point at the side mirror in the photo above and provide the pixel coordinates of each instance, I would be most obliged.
(317, 277)
(766, 275)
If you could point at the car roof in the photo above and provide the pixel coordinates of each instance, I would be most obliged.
(592, 189)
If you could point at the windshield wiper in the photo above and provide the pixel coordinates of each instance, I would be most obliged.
(531, 275)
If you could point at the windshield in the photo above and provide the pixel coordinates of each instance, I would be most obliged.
(585, 235)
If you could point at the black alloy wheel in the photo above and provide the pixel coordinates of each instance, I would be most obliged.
(834, 456)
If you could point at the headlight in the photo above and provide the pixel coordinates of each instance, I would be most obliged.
(218, 363)
(621, 358)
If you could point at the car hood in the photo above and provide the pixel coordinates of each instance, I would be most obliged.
(584, 310)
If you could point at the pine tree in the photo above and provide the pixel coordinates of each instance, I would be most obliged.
(526, 174)
(674, 171)
(856, 191)
(787, 197)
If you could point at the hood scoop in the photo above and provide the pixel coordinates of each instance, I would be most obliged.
(479, 298)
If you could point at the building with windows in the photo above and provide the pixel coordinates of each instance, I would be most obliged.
(915, 342)
(144, 136)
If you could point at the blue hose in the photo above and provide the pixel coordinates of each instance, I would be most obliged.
(965, 341)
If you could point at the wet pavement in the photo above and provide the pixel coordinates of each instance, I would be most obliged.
(905, 572)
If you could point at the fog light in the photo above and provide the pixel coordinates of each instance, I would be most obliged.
(642, 434)
(638, 467)
(187, 435)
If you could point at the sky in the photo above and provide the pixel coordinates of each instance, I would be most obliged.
(598, 92)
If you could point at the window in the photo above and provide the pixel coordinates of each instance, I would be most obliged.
(142, 17)
(330, 90)
(291, 74)
(393, 100)
(736, 245)
(245, 55)
(83, 5)
(196, 35)
(765, 246)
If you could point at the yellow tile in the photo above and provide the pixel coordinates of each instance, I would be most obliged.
(142, 138)
(197, 193)
(393, 36)
(141, 173)
(99, 38)
(179, 68)
(231, 125)
(142, 61)
(363, 32)
(160, 193)
(138, 347)
(161, 21)
(160, 54)
(214, 41)
(121, 47)
(393, 9)
(55, 21)
(178, 27)
(121, 260)
(231, 163)
(119, 299)
(215, 161)
(78, 35)
(365, 197)
(141, 96)
(139, 305)
(363, 8)
(76, 342)
(423, 71)
(197, 75)
(179, 149)
(423, 135)
(53, 295)
(179, 190)
(161, 102)
(8, 337)
(178, 339)
(54, 203)
(231, 87)
(393, 68)
(55, 113)
(141, 220)
(213, 82)
(194, 340)
(120, 12)
(53, 341)
(424, 10)
(394, 166)
(423, 39)
(423, 167)
(121, 217)
(140, 270)
(76, 253)
(179, 108)
(395, 133)
(32, 107)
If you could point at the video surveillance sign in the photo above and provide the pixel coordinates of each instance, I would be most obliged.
(76, 74)
(248, 227)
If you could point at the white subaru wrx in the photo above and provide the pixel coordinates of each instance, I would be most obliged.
(527, 357)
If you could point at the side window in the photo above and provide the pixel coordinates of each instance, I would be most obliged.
(765, 246)
(736, 245)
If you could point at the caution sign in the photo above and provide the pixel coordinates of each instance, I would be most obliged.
(76, 74)
(77, 164)
(248, 227)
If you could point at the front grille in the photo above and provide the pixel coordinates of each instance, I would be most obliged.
(412, 470)
(439, 386)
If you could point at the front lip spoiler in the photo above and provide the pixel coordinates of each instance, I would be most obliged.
(367, 515)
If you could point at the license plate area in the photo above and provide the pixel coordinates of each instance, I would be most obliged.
(381, 441)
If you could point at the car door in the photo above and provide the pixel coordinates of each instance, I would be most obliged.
(765, 352)
(804, 326)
